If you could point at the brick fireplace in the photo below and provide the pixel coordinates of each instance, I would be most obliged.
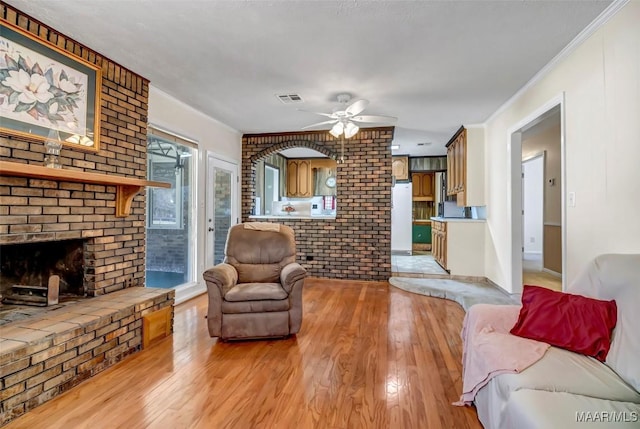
(45, 355)
(34, 210)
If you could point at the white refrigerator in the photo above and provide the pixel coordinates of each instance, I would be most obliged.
(401, 219)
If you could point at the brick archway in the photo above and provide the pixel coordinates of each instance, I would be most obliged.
(289, 144)
(356, 244)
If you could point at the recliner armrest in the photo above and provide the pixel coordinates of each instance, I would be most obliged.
(222, 275)
(290, 274)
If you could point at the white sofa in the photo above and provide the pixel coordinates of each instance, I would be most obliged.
(568, 390)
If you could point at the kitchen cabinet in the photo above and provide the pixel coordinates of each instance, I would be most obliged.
(456, 164)
(439, 242)
(458, 246)
(400, 167)
(423, 186)
(299, 178)
(465, 166)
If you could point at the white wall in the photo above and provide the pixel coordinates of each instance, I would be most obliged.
(173, 115)
(533, 204)
(601, 85)
(548, 141)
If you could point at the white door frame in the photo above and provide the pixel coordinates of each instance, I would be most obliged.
(514, 189)
(214, 160)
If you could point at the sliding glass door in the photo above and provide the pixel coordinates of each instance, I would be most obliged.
(170, 212)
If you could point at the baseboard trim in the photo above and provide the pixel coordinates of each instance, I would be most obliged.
(401, 252)
(186, 293)
(504, 292)
(553, 273)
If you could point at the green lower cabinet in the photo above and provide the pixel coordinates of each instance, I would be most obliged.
(422, 234)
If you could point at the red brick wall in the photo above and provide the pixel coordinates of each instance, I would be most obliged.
(357, 244)
(42, 210)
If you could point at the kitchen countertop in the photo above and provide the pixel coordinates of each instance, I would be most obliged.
(422, 221)
(320, 217)
(457, 219)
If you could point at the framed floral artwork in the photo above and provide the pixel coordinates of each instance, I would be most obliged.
(47, 93)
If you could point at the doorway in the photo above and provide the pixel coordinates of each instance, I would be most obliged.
(534, 212)
(537, 195)
(222, 206)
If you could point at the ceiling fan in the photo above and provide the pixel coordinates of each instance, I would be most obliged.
(347, 119)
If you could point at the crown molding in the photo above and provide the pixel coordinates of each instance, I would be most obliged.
(587, 32)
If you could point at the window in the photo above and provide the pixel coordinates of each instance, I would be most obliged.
(271, 187)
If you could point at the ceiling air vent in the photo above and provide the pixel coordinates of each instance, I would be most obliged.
(290, 98)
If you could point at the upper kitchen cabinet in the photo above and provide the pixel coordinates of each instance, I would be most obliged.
(400, 167)
(423, 186)
(309, 177)
(299, 181)
(465, 166)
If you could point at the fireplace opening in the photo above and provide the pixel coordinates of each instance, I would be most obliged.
(42, 273)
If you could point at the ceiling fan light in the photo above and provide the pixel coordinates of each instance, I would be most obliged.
(337, 130)
(350, 130)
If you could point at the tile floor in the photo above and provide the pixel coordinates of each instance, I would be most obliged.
(416, 265)
(465, 293)
(420, 273)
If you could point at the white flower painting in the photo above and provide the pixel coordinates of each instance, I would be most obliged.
(37, 90)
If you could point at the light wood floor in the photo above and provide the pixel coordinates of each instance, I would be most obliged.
(368, 356)
(540, 278)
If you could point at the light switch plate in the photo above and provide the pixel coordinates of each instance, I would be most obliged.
(572, 199)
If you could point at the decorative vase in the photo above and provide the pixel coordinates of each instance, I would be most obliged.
(53, 151)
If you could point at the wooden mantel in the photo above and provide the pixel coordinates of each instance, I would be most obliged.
(126, 187)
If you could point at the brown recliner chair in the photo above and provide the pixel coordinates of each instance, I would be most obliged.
(257, 291)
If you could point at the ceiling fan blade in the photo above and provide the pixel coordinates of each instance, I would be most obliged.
(333, 121)
(373, 118)
(328, 115)
(356, 107)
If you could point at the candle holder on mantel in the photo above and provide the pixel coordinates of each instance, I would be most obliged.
(53, 151)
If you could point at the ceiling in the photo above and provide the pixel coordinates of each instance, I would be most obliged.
(432, 64)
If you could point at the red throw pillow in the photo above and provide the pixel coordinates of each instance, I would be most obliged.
(573, 322)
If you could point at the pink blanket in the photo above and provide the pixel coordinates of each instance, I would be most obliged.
(489, 349)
